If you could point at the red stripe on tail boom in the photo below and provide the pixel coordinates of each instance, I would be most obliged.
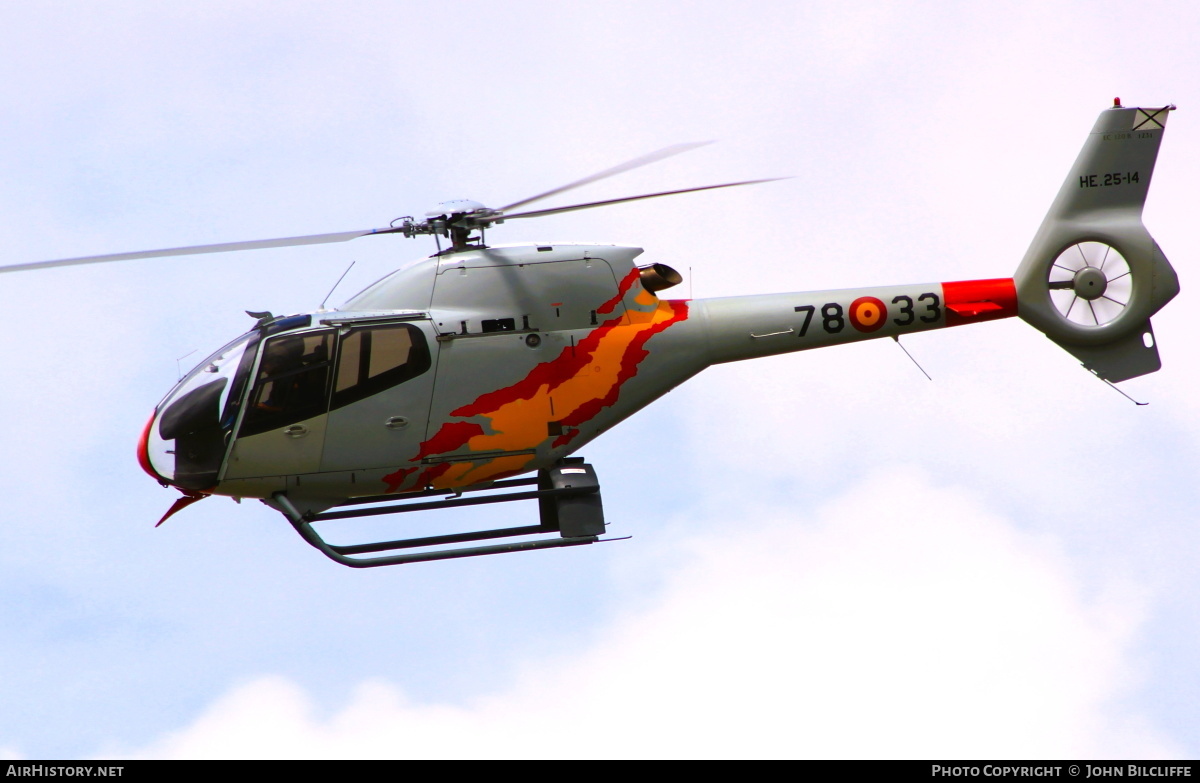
(971, 301)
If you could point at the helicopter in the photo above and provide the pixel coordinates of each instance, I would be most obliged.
(473, 376)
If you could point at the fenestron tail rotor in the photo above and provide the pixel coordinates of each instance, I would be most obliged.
(1093, 276)
(1090, 283)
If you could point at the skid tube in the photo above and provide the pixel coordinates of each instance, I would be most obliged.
(568, 496)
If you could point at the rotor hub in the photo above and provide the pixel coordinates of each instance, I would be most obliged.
(1090, 283)
(460, 206)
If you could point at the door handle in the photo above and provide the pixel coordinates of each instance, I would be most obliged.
(296, 431)
(396, 423)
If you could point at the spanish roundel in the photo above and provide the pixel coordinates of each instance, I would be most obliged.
(867, 313)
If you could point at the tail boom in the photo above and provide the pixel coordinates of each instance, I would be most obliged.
(753, 326)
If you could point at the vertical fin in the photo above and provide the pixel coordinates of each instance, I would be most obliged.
(1093, 275)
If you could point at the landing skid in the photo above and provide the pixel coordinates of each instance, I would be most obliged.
(569, 504)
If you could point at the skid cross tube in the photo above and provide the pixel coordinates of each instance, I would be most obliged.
(400, 508)
(431, 493)
(549, 496)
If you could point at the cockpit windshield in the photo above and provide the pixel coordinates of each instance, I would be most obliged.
(222, 364)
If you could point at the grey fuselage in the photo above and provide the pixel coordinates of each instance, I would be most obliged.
(472, 366)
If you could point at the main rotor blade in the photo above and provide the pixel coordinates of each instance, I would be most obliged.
(645, 160)
(573, 207)
(225, 247)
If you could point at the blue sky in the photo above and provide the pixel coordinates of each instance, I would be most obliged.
(831, 555)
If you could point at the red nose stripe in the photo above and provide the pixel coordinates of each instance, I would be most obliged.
(143, 452)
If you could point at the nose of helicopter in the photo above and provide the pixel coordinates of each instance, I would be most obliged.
(184, 442)
(143, 452)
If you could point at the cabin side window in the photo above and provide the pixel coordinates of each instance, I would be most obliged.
(371, 359)
(292, 383)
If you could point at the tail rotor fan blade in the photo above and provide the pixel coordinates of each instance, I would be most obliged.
(1071, 304)
(1107, 309)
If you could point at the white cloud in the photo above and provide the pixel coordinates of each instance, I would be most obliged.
(901, 619)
